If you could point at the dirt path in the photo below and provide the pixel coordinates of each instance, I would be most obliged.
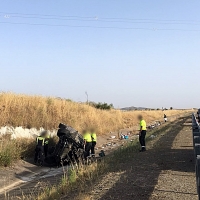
(177, 179)
(165, 172)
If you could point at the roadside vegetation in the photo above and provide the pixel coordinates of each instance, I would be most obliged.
(77, 182)
(47, 112)
(101, 106)
(17, 149)
(12, 150)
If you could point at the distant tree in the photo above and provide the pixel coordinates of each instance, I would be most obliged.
(158, 108)
(171, 108)
(68, 100)
(102, 106)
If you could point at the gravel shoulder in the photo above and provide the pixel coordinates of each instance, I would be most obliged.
(165, 172)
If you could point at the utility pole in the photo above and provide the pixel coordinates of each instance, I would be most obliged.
(86, 96)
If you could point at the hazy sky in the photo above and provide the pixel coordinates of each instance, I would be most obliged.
(129, 53)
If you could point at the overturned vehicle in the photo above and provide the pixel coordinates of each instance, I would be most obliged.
(69, 149)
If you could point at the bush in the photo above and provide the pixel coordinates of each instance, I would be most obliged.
(103, 106)
(12, 150)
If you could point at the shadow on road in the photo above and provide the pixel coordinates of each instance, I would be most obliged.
(142, 171)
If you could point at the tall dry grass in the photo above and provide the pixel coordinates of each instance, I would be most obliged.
(37, 111)
(12, 150)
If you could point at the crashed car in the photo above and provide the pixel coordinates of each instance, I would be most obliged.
(69, 149)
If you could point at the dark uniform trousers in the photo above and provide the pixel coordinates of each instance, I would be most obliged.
(93, 147)
(46, 148)
(142, 138)
(88, 147)
(39, 151)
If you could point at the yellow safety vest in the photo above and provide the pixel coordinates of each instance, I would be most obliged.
(40, 139)
(94, 137)
(87, 137)
(143, 125)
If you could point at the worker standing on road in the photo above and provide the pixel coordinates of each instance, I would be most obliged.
(94, 141)
(39, 150)
(87, 142)
(142, 133)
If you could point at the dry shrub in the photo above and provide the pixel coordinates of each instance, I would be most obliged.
(12, 150)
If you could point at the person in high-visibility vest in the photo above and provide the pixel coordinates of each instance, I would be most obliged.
(94, 141)
(39, 150)
(142, 133)
(87, 142)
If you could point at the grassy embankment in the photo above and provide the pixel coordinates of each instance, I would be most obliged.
(37, 111)
(76, 184)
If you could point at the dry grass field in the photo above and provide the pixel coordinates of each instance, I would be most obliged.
(37, 111)
(47, 112)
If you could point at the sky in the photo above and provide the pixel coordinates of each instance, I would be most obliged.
(129, 53)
